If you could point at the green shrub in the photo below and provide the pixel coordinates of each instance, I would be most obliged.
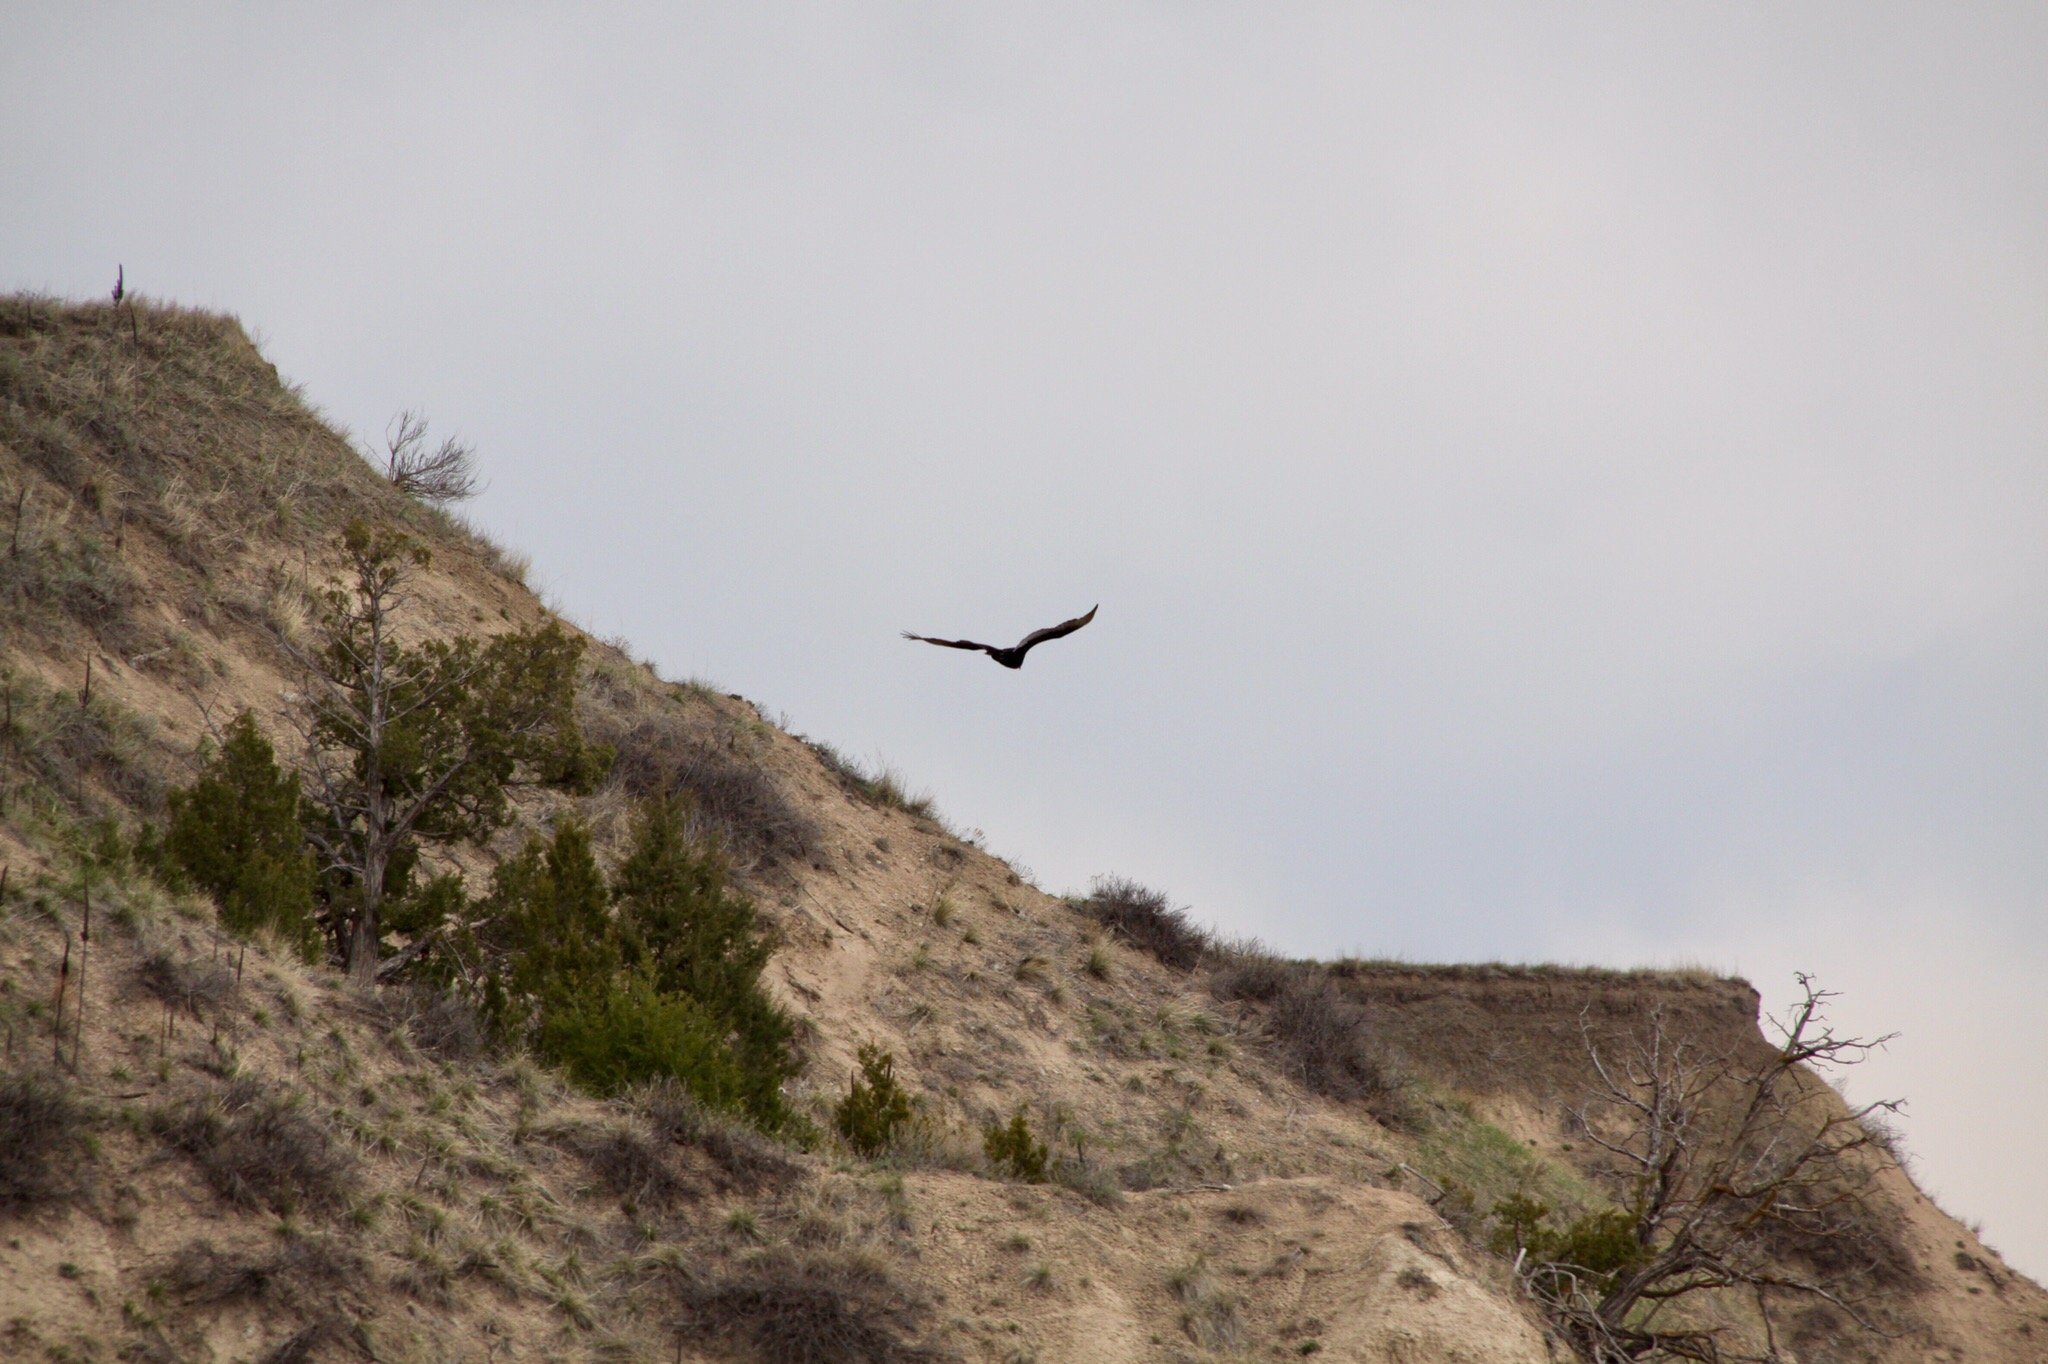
(1595, 1247)
(547, 918)
(235, 833)
(669, 985)
(698, 939)
(1012, 1152)
(875, 1107)
(626, 1032)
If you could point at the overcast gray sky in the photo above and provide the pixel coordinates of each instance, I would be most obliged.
(1562, 482)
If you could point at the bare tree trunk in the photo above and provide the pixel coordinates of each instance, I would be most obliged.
(377, 839)
(368, 929)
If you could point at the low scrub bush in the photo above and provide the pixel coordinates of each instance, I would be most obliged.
(46, 1138)
(630, 1163)
(739, 1150)
(1012, 1151)
(255, 1149)
(1324, 1034)
(662, 755)
(1085, 1176)
(1148, 921)
(182, 982)
(439, 1021)
(876, 1108)
(310, 1341)
(791, 1307)
(297, 1269)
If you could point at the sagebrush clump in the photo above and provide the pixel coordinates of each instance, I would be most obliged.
(1147, 920)
(794, 1307)
(257, 1149)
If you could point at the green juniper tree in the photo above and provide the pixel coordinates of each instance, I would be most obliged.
(695, 937)
(657, 974)
(411, 745)
(235, 833)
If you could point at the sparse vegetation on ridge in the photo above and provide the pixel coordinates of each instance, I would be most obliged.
(883, 786)
(1147, 920)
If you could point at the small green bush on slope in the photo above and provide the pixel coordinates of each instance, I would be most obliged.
(235, 833)
(876, 1107)
(668, 985)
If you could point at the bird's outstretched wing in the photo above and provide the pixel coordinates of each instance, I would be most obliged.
(951, 643)
(1065, 627)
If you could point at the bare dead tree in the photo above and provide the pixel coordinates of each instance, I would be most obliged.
(432, 473)
(1736, 1174)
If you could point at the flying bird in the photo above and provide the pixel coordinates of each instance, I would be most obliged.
(1013, 657)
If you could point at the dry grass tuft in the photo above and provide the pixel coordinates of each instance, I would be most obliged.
(749, 1158)
(46, 1135)
(256, 1149)
(789, 1307)
(295, 1270)
(83, 753)
(1208, 1313)
(884, 786)
(183, 983)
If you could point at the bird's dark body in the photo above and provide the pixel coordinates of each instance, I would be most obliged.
(1013, 656)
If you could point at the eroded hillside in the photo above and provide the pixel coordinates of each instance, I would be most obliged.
(228, 1154)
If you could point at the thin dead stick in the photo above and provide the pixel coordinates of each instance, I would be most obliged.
(85, 693)
(84, 943)
(57, 1025)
